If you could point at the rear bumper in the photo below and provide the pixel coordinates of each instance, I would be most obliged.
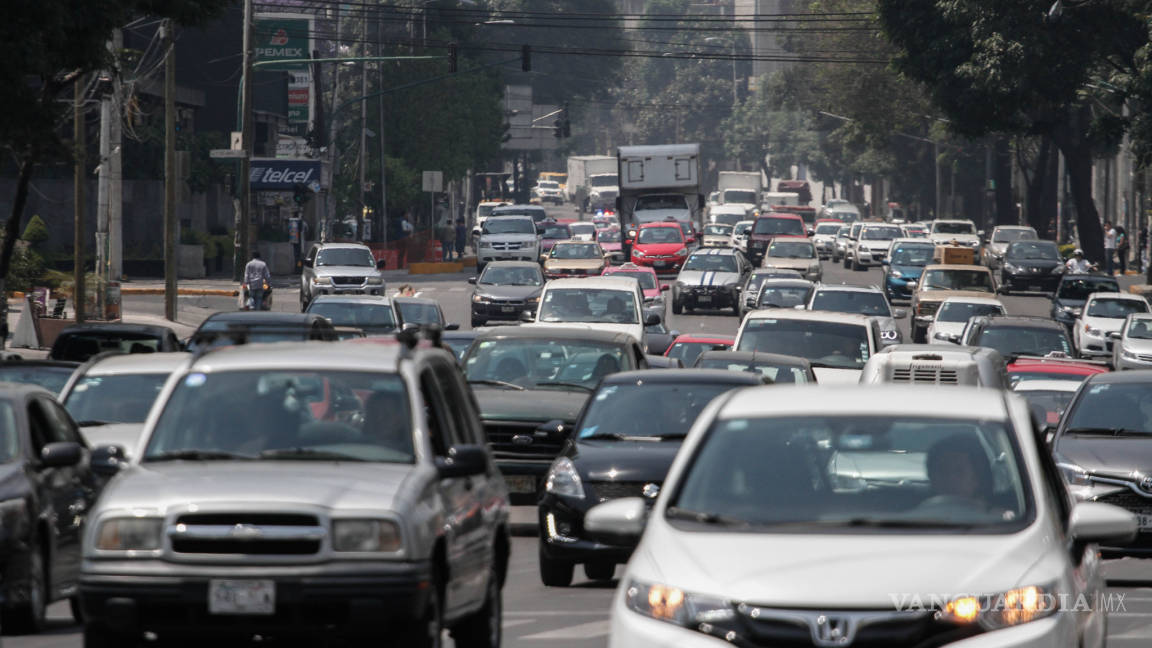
(1033, 282)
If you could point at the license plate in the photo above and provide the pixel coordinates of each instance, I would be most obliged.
(659, 264)
(1144, 522)
(520, 483)
(254, 597)
(704, 299)
(507, 309)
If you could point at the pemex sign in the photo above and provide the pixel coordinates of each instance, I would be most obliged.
(282, 36)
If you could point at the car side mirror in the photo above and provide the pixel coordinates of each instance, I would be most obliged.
(617, 521)
(381, 264)
(674, 334)
(527, 316)
(1048, 434)
(472, 280)
(308, 263)
(1098, 522)
(1114, 335)
(899, 313)
(553, 431)
(463, 461)
(107, 460)
(652, 319)
(451, 327)
(665, 287)
(61, 454)
(911, 285)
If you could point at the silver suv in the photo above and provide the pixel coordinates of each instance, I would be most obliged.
(508, 238)
(340, 269)
(296, 490)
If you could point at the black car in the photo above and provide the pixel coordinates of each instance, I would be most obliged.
(782, 369)
(751, 287)
(505, 290)
(248, 327)
(1101, 447)
(526, 378)
(80, 342)
(1014, 336)
(1073, 290)
(1033, 266)
(46, 487)
(421, 311)
(49, 374)
(622, 446)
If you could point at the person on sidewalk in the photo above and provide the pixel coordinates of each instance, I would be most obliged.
(461, 238)
(1109, 249)
(1122, 249)
(402, 243)
(447, 239)
(256, 280)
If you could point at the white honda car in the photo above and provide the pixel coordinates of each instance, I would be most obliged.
(822, 516)
(1103, 314)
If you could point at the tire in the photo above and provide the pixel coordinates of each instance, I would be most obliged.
(677, 307)
(555, 573)
(98, 636)
(483, 628)
(427, 632)
(859, 267)
(846, 266)
(477, 322)
(28, 617)
(599, 571)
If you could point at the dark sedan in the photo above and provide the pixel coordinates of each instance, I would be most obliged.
(774, 366)
(1033, 266)
(622, 446)
(80, 342)
(49, 374)
(249, 327)
(421, 311)
(505, 290)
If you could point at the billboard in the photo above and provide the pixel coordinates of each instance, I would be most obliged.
(282, 36)
(271, 174)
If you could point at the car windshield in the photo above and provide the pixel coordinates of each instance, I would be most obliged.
(123, 398)
(602, 305)
(609, 236)
(1023, 340)
(1139, 329)
(727, 219)
(742, 229)
(419, 313)
(544, 363)
(712, 263)
(627, 410)
(548, 184)
(1080, 288)
(774, 296)
(844, 231)
(740, 196)
(777, 373)
(867, 474)
(504, 225)
(603, 181)
(560, 232)
(769, 225)
(760, 276)
(51, 378)
(286, 414)
(1116, 308)
(963, 311)
(912, 255)
(880, 233)
(1009, 235)
(1120, 407)
(687, 352)
(361, 258)
(1033, 250)
(827, 228)
(718, 230)
(979, 280)
(860, 302)
(792, 250)
(576, 251)
(661, 235)
(953, 228)
(647, 279)
(496, 275)
(582, 229)
(830, 344)
(374, 318)
(79, 347)
(660, 202)
(1047, 405)
(458, 346)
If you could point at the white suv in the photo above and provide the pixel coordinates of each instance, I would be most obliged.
(507, 238)
(823, 515)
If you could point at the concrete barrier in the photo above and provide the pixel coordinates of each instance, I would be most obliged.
(445, 267)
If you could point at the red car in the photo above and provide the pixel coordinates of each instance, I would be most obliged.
(768, 227)
(689, 347)
(1029, 368)
(649, 282)
(660, 246)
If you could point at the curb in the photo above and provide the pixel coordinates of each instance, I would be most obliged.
(193, 292)
(448, 267)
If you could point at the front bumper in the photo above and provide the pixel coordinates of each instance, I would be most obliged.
(708, 297)
(561, 525)
(315, 290)
(1030, 281)
(1139, 362)
(663, 263)
(870, 257)
(501, 310)
(488, 255)
(354, 598)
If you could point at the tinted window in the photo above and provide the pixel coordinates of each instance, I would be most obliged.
(589, 305)
(851, 301)
(912, 255)
(827, 228)
(1033, 250)
(376, 318)
(1080, 288)
(345, 257)
(775, 296)
(576, 251)
(661, 235)
(953, 228)
(647, 279)
(557, 232)
(508, 226)
(688, 352)
(792, 250)
(543, 363)
(777, 373)
(82, 346)
(740, 196)
(963, 311)
(1113, 406)
(1115, 308)
(958, 280)
(793, 226)
(51, 378)
(124, 398)
(627, 409)
(419, 313)
(1007, 235)
(830, 344)
(9, 433)
(1022, 340)
(727, 219)
(495, 275)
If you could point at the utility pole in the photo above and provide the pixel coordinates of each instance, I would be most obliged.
(363, 126)
(383, 231)
(115, 243)
(79, 141)
(102, 191)
(169, 173)
(939, 179)
(244, 220)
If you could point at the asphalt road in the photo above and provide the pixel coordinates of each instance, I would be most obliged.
(576, 617)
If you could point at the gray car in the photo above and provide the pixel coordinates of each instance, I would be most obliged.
(505, 290)
(302, 491)
(861, 301)
(1132, 344)
(340, 269)
(711, 278)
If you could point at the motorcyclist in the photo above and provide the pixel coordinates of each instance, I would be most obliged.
(1078, 264)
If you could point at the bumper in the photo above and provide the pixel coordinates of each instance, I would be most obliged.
(1132, 363)
(1094, 346)
(498, 311)
(358, 598)
(317, 290)
(488, 255)
(659, 265)
(866, 258)
(897, 288)
(560, 528)
(1030, 282)
(711, 299)
(524, 477)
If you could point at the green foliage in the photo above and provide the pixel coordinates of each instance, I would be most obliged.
(35, 232)
(219, 246)
(189, 236)
(26, 271)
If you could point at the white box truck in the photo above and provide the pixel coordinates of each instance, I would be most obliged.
(740, 188)
(660, 182)
(592, 181)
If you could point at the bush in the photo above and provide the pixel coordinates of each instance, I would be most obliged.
(192, 237)
(35, 232)
(219, 246)
(26, 271)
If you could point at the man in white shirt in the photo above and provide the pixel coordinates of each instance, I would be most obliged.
(1078, 264)
(257, 279)
(1109, 247)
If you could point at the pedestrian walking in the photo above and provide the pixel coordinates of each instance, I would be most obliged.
(461, 238)
(447, 239)
(256, 281)
(1109, 249)
(1122, 249)
(403, 241)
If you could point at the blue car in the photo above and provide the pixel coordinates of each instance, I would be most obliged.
(902, 268)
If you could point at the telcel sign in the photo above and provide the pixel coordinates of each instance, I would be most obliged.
(281, 175)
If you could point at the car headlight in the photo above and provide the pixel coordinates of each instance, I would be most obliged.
(564, 480)
(1008, 267)
(889, 334)
(479, 299)
(1128, 354)
(374, 281)
(1074, 475)
(993, 612)
(130, 534)
(1092, 330)
(365, 535)
(682, 252)
(322, 281)
(673, 605)
(638, 253)
(532, 300)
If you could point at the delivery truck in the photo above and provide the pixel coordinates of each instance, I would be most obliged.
(659, 182)
(740, 188)
(592, 182)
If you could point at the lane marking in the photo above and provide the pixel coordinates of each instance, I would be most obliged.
(582, 631)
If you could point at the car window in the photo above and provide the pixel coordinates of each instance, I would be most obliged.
(508, 226)
(345, 257)
(792, 250)
(419, 313)
(647, 279)
(777, 296)
(712, 263)
(861, 302)
(462, 430)
(880, 233)
(687, 352)
(1112, 406)
(912, 255)
(718, 230)
(496, 275)
(1022, 340)
(557, 232)
(441, 425)
(51, 378)
(1081, 288)
(576, 251)
(1139, 329)
(963, 311)
(626, 409)
(979, 280)
(374, 318)
(593, 305)
(1033, 250)
(1115, 308)
(660, 235)
(793, 226)
(1008, 235)
(544, 363)
(117, 398)
(953, 228)
(776, 373)
(824, 344)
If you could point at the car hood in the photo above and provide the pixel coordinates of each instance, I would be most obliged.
(833, 376)
(125, 435)
(508, 292)
(1043, 264)
(658, 248)
(1138, 345)
(584, 264)
(345, 271)
(948, 328)
(790, 264)
(1102, 323)
(328, 484)
(611, 247)
(795, 570)
(635, 330)
(543, 405)
(624, 461)
(709, 278)
(1117, 456)
(876, 245)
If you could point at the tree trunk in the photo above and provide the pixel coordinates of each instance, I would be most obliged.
(1006, 212)
(1046, 195)
(1071, 135)
(11, 232)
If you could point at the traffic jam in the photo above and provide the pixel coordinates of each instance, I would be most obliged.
(884, 453)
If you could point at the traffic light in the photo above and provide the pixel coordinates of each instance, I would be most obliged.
(301, 194)
(452, 58)
(526, 58)
(567, 125)
(558, 128)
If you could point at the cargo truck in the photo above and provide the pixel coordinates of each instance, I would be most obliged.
(740, 188)
(657, 183)
(592, 181)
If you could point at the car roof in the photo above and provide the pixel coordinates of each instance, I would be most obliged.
(711, 339)
(956, 266)
(552, 333)
(728, 209)
(1116, 295)
(117, 327)
(815, 316)
(1013, 227)
(915, 400)
(847, 288)
(1046, 385)
(954, 220)
(786, 282)
(913, 241)
(675, 224)
(600, 282)
(136, 363)
(624, 267)
(758, 356)
(331, 356)
(787, 215)
(714, 251)
(681, 376)
(945, 351)
(262, 317)
(351, 299)
(1111, 377)
(1099, 276)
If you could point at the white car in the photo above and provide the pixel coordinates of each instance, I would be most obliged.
(942, 522)
(609, 303)
(841, 242)
(717, 235)
(1104, 313)
(583, 231)
(871, 245)
(727, 214)
(825, 238)
(1132, 344)
(740, 233)
(548, 191)
(963, 232)
(507, 238)
(954, 313)
(837, 344)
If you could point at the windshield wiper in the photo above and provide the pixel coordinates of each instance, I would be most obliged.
(196, 455)
(602, 436)
(497, 383)
(1103, 431)
(552, 383)
(700, 517)
(671, 435)
(307, 453)
(91, 423)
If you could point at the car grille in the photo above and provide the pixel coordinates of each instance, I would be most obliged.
(257, 534)
(931, 375)
(1130, 500)
(779, 629)
(615, 490)
(500, 435)
(347, 281)
(507, 302)
(1145, 358)
(507, 245)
